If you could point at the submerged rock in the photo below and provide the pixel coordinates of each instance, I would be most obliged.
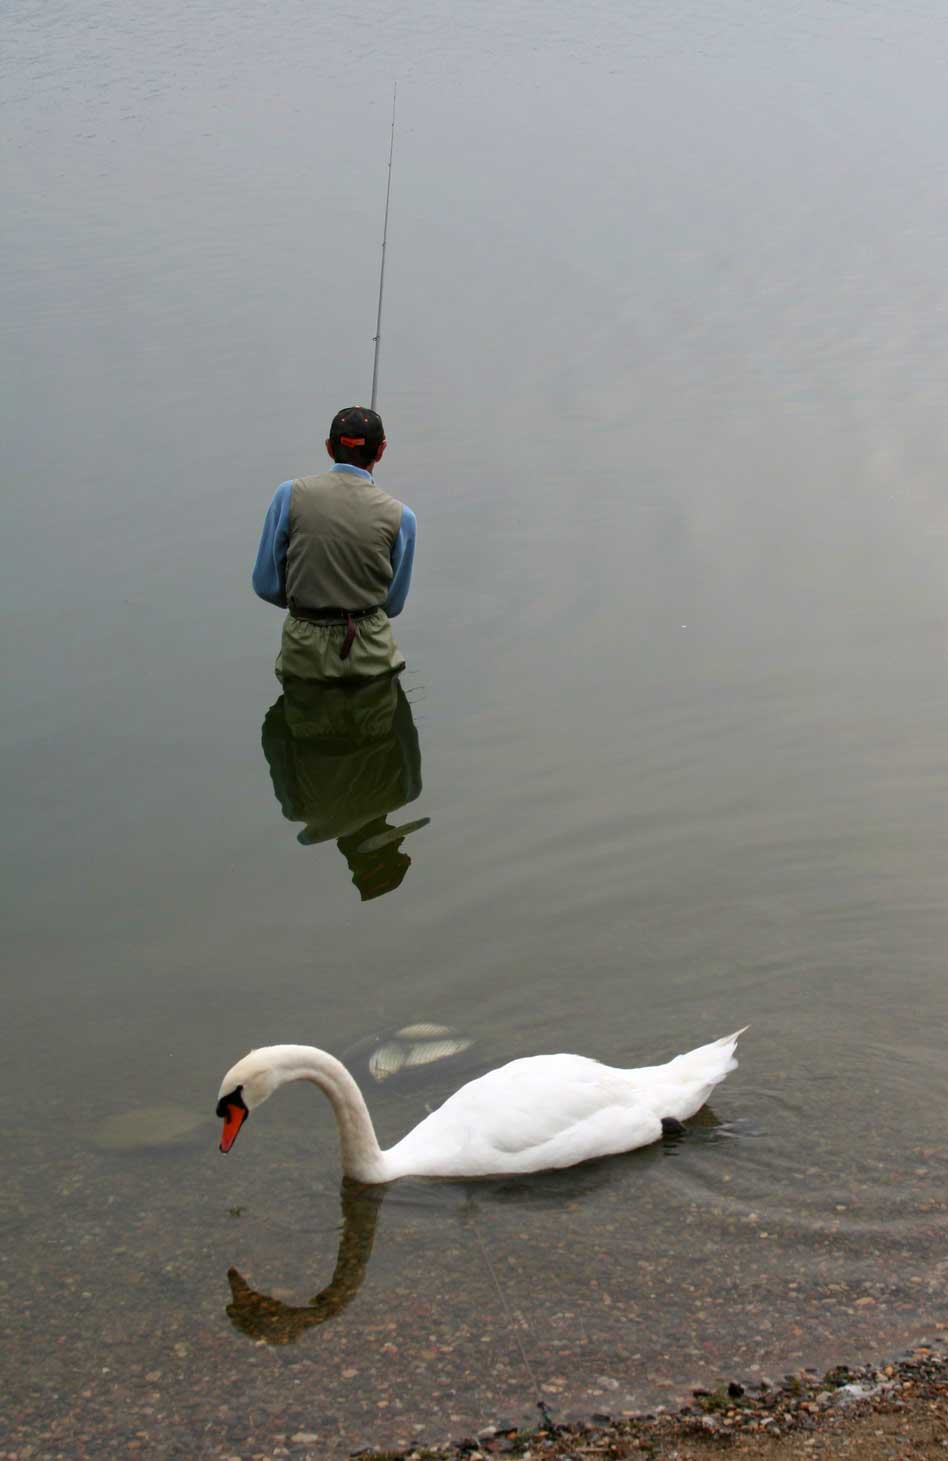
(148, 1127)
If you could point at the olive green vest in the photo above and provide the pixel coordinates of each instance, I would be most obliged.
(342, 531)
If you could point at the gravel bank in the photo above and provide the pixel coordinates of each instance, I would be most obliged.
(896, 1410)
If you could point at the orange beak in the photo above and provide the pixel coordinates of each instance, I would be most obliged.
(233, 1121)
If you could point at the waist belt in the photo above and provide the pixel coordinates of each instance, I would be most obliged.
(330, 616)
(349, 617)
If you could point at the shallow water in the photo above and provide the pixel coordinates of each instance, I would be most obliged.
(662, 374)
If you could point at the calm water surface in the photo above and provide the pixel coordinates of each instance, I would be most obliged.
(663, 374)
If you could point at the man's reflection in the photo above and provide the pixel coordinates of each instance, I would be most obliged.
(342, 759)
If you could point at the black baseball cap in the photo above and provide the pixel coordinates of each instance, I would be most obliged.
(357, 426)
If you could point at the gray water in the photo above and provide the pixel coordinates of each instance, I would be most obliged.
(663, 373)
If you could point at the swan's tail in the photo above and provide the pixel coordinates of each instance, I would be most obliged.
(709, 1063)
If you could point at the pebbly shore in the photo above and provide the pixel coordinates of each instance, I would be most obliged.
(895, 1410)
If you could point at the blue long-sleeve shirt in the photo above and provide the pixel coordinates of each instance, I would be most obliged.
(269, 570)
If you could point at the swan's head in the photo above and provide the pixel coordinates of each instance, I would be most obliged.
(246, 1085)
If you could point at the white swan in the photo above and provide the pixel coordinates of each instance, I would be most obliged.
(533, 1114)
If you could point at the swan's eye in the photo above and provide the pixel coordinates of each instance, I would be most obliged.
(233, 1112)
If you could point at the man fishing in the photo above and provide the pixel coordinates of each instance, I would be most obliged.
(337, 552)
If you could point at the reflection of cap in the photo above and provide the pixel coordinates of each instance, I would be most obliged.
(379, 870)
(383, 875)
(357, 426)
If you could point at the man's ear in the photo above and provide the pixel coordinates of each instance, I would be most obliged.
(381, 450)
(329, 448)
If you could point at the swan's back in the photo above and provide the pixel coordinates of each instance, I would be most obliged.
(548, 1111)
(539, 1112)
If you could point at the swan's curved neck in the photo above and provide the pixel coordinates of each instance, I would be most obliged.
(362, 1157)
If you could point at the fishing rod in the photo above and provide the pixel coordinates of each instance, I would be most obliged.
(388, 194)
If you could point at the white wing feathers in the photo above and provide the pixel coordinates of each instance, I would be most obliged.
(553, 1110)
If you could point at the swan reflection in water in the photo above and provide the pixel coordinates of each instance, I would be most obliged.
(342, 760)
(264, 1318)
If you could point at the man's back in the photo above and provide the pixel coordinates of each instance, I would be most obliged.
(343, 529)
